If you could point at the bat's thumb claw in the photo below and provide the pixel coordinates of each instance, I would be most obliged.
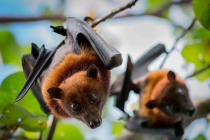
(52, 27)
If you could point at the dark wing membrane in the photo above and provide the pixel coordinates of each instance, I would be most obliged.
(123, 96)
(108, 54)
(123, 85)
(42, 61)
(28, 62)
(141, 65)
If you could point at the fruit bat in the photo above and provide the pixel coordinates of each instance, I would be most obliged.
(123, 84)
(140, 121)
(73, 78)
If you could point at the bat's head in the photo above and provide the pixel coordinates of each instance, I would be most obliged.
(174, 99)
(82, 96)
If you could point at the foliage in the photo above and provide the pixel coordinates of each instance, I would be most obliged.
(198, 51)
(10, 51)
(117, 127)
(202, 11)
(14, 115)
(200, 137)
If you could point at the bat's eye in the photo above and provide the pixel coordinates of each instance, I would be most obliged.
(93, 97)
(75, 107)
(169, 107)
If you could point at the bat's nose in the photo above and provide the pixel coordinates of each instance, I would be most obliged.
(95, 123)
(190, 111)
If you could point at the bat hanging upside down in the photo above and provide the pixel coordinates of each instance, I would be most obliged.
(164, 97)
(74, 77)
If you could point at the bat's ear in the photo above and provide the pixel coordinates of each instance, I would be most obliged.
(171, 76)
(55, 92)
(151, 104)
(92, 71)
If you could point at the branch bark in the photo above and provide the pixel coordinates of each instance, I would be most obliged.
(199, 71)
(31, 19)
(113, 13)
(52, 128)
(174, 45)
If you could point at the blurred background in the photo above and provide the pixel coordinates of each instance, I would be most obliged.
(132, 31)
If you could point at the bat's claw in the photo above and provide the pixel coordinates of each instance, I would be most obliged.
(59, 29)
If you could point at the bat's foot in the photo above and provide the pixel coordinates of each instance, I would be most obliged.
(138, 124)
(179, 130)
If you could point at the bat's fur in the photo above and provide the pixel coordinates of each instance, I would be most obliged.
(71, 76)
(156, 86)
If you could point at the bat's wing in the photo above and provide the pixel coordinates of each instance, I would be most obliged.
(140, 67)
(123, 84)
(44, 57)
(28, 63)
(136, 124)
(108, 54)
(127, 85)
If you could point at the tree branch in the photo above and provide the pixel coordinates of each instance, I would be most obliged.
(31, 19)
(174, 45)
(199, 71)
(157, 12)
(52, 128)
(113, 13)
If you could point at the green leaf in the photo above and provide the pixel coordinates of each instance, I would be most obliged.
(16, 115)
(13, 114)
(199, 55)
(201, 34)
(34, 123)
(10, 51)
(153, 5)
(64, 131)
(10, 88)
(67, 132)
(202, 12)
(31, 135)
(117, 127)
(5, 99)
(200, 137)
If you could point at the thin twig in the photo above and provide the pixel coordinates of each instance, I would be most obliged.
(52, 129)
(199, 71)
(114, 12)
(159, 11)
(174, 45)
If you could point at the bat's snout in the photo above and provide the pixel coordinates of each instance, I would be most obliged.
(95, 123)
(189, 111)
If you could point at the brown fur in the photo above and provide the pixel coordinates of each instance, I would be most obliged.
(71, 70)
(151, 89)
